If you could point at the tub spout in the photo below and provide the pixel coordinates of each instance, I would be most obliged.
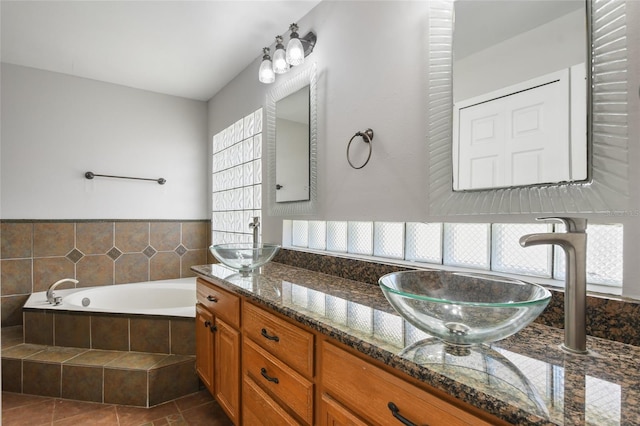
(51, 297)
(574, 244)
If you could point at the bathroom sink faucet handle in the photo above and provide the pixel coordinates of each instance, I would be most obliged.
(573, 224)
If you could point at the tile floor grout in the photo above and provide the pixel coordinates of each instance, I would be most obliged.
(200, 404)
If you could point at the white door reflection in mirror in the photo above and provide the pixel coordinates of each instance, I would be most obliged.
(519, 91)
(292, 147)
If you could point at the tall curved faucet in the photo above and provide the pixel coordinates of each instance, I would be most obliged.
(254, 225)
(51, 297)
(574, 244)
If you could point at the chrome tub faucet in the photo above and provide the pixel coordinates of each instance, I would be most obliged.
(51, 297)
(574, 244)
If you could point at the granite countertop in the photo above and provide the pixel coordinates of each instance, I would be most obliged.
(524, 379)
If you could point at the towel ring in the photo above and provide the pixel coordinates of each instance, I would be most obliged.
(367, 137)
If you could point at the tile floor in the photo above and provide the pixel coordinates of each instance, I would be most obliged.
(191, 410)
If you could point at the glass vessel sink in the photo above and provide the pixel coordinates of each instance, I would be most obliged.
(464, 308)
(245, 257)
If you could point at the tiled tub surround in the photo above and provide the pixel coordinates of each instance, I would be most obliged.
(602, 389)
(110, 358)
(36, 253)
(608, 317)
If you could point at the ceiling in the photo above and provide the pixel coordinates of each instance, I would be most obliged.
(183, 48)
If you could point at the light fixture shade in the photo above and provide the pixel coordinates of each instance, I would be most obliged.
(265, 73)
(280, 65)
(295, 50)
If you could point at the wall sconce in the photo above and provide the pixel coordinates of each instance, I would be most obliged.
(297, 49)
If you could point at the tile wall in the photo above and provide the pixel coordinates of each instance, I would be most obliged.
(35, 254)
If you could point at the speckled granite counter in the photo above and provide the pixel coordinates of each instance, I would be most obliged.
(524, 379)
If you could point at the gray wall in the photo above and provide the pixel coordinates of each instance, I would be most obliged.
(56, 127)
(371, 62)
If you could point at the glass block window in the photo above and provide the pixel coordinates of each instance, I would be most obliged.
(360, 317)
(337, 236)
(424, 242)
(507, 255)
(604, 255)
(472, 245)
(300, 235)
(360, 238)
(388, 239)
(236, 180)
(317, 235)
(466, 244)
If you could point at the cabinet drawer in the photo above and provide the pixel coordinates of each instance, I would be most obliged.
(368, 391)
(220, 302)
(284, 384)
(287, 342)
(259, 409)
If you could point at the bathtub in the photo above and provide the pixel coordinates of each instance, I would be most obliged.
(175, 297)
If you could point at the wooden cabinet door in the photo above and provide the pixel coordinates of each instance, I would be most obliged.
(204, 346)
(227, 369)
(332, 413)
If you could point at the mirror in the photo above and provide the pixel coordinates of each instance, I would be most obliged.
(291, 131)
(606, 189)
(292, 147)
(519, 93)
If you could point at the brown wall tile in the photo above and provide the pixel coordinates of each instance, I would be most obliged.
(149, 335)
(72, 330)
(94, 237)
(38, 327)
(172, 382)
(194, 235)
(16, 240)
(47, 271)
(126, 387)
(132, 268)
(40, 378)
(12, 309)
(165, 236)
(82, 383)
(94, 270)
(12, 375)
(16, 276)
(164, 266)
(110, 332)
(53, 239)
(191, 258)
(132, 236)
(183, 336)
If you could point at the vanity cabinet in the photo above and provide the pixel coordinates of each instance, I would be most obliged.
(277, 368)
(218, 345)
(265, 369)
(357, 392)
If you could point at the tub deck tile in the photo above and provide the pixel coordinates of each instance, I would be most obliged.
(95, 358)
(136, 361)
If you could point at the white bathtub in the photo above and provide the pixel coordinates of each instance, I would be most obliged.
(167, 297)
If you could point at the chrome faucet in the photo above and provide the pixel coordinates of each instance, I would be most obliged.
(51, 297)
(255, 225)
(574, 244)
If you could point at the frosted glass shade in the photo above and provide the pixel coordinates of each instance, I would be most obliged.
(295, 52)
(265, 73)
(280, 65)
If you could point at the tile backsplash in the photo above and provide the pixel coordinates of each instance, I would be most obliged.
(36, 253)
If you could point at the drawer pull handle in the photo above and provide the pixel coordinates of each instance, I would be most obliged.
(269, 337)
(396, 413)
(263, 371)
(213, 328)
(207, 323)
(213, 299)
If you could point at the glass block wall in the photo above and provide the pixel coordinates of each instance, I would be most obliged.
(237, 180)
(480, 246)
